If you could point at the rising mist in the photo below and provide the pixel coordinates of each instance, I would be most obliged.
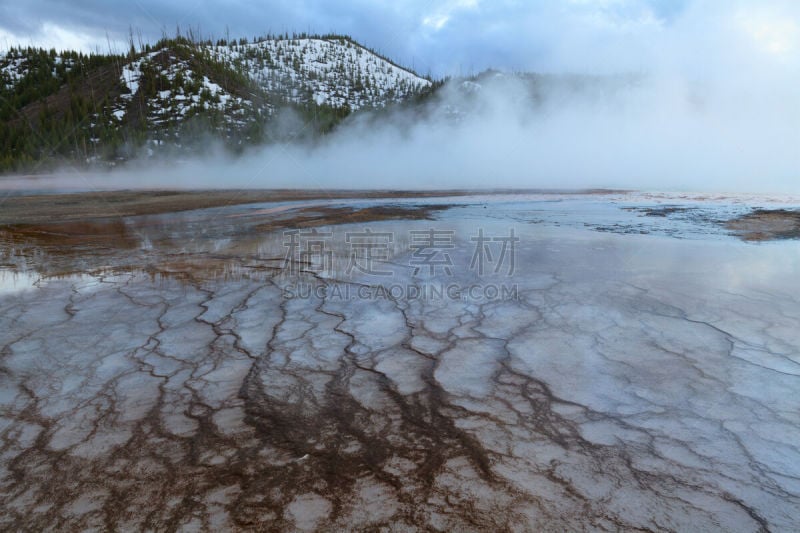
(708, 102)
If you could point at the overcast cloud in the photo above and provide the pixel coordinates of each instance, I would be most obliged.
(437, 36)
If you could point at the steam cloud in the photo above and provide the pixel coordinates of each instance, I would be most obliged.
(709, 102)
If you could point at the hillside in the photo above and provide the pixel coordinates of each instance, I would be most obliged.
(79, 109)
(334, 71)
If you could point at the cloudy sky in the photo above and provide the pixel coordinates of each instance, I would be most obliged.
(444, 37)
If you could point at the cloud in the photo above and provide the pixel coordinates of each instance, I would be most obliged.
(441, 35)
(442, 14)
(51, 35)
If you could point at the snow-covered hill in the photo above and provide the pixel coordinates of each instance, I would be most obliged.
(180, 89)
(102, 107)
(333, 71)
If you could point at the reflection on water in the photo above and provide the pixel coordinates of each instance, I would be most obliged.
(12, 281)
(331, 238)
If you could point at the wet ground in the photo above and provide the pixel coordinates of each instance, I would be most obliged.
(482, 362)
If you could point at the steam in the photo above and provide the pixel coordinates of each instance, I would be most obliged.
(708, 102)
(650, 133)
